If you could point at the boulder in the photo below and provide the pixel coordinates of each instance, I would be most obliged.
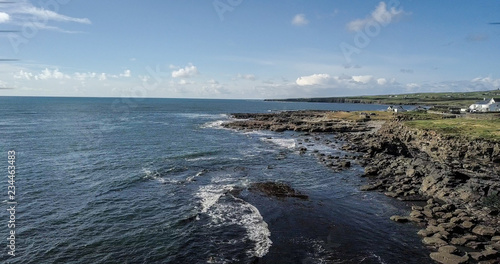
(459, 241)
(447, 258)
(489, 253)
(371, 170)
(434, 241)
(426, 233)
(448, 249)
(484, 230)
(399, 219)
(369, 187)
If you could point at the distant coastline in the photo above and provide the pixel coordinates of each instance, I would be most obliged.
(450, 99)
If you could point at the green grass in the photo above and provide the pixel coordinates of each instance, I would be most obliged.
(457, 127)
(469, 128)
(421, 116)
(450, 99)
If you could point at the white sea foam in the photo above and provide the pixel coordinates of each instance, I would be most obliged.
(210, 194)
(195, 116)
(191, 178)
(288, 143)
(154, 175)
(201, 158)
(235, 211)
(215, 124)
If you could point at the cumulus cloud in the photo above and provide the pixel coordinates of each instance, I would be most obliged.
(4, 17)
(362, 78)
(300, 20)
(381, 15)
(315, 79)
(102, 77)
(186, 72)
(249, 77)
(381, 81)
(54, 74)
(184, 82)
(126, 74)
(85, 75)
(344, 81)
(23, 75)
(487, 82)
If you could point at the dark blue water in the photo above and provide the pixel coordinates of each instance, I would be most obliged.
(158, 181)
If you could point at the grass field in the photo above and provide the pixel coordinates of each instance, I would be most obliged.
(470, 128)
(450, 99)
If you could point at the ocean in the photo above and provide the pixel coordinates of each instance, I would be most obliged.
(103, 180)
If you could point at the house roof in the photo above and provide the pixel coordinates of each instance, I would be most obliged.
(483, 102)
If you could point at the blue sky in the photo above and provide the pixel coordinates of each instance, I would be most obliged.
(247, 49)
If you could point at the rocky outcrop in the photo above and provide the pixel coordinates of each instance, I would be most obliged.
(458, 174)
(458, 177)
(304, 121)
(277, 189)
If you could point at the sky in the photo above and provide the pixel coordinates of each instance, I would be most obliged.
(242, 49)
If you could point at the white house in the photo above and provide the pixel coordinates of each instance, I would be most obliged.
(482, 106)
(396, 109)
(495, 107)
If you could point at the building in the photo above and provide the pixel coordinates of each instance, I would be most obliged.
(396, 109)
(495, 107)
(482, 106)
(419, 109)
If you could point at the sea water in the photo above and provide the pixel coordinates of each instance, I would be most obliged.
(107, 180)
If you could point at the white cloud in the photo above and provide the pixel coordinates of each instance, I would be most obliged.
(54, 74)
(362, 78)
(47, 74)
(315, 79)
(380, 15)
(84, 76)
(249, 77)
(185, 72)
(23, 75)
(185, 82)
(300, 20)
(126, 74)
(102, 77)
(4, 17)
(43, 15)
(24, 13)
(382, 81)
(486, 82)
(412, 85)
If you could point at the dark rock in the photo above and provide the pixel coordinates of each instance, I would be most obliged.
(277, 189)
(447, 258)
(345, 164)
(371, 170)
(399, 219)
(484, 230)
(434, 241)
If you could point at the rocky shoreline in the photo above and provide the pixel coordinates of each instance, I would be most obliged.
(453, 181)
